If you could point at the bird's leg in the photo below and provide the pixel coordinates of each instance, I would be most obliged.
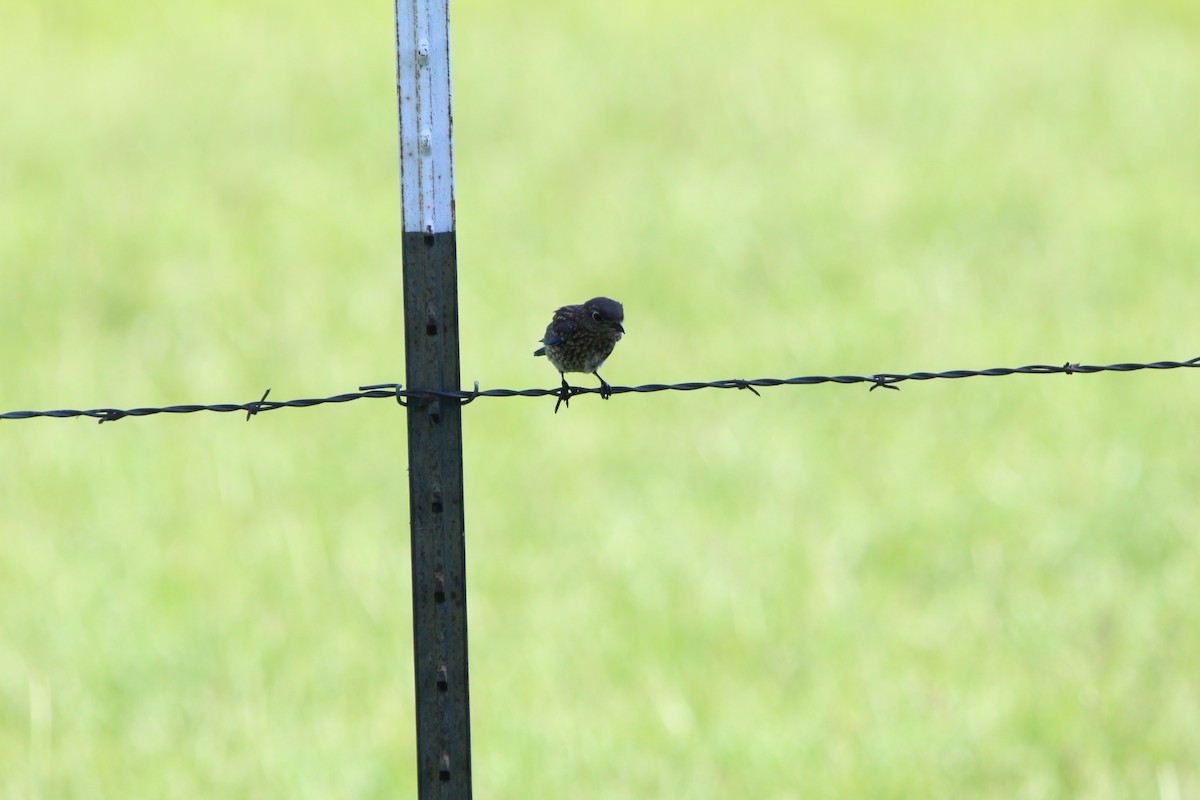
(605, 389)
(564, 394)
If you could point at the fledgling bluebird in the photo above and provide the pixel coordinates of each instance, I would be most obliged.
(580, 338)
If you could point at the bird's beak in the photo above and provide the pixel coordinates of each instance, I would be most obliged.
(619, 327)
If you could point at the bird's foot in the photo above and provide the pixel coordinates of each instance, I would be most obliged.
(605, 389)
(564, 395)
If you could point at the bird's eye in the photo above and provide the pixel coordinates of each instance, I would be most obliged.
(596, 316)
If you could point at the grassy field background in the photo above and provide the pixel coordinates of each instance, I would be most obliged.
(982, 588)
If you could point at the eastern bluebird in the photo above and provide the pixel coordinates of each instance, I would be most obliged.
(579, 338)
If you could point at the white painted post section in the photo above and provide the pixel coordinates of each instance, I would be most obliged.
(426, 120)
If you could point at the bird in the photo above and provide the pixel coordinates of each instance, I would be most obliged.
(580, 338)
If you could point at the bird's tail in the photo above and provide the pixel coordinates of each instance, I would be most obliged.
(541, 351)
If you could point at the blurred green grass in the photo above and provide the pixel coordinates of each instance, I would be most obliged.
(977, 588)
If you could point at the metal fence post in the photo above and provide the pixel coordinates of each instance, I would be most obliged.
(435, 466)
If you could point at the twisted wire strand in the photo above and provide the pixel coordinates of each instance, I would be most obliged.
(885, 380)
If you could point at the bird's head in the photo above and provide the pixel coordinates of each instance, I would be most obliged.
(604, 313)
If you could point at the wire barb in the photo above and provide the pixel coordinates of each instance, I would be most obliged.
(744, 384)
(254, 408)
(564, 393)
(882, 382)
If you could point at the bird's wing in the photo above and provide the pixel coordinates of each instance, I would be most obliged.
(559, 330)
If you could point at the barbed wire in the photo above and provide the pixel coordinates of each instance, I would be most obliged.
(396, 391)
